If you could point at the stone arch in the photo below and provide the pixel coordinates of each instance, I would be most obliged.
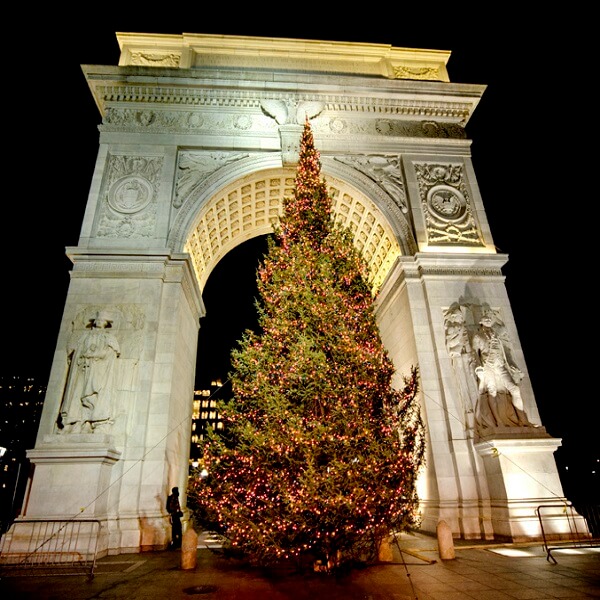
(215, 219)
(390, 127)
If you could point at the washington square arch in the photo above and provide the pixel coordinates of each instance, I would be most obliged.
(198, 145)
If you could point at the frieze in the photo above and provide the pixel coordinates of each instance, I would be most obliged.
(195, 167)
(446, 205)
(120, 119)
(391, 127)
(128, 199)
(291, 110)
(127, 119)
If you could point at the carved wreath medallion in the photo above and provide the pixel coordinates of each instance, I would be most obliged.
(446, 203)
(130, 194)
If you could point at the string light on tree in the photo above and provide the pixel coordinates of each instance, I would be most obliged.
(319, 454)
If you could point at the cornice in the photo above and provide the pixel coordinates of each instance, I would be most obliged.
(205, 88)
(225, 51)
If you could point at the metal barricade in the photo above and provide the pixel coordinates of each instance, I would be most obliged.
(50, 547)
(578, 537)
(590, 511)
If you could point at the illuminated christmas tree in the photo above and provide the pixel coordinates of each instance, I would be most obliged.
(319, 454)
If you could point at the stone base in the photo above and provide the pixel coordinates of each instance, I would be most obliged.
(526, 494)
(70, 479)
(511, 433)
(468, 519)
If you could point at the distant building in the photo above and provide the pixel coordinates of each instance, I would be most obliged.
(205, 416)
(21, 402)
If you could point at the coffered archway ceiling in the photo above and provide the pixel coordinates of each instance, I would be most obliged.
(249, 206)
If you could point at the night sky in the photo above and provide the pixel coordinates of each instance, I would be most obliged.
(524, 152)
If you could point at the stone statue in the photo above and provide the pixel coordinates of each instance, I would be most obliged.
(460, 350)
(498, 375)
(457, 335)
(87, 403)
(487, 377)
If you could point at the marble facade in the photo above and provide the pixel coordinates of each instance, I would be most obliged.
(198, 143)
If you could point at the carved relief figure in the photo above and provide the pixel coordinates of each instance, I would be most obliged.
(497, 372)
(385, 171)
(87, 403)
(457, 335)
(487, 375)
(459, 348)
(194, 167)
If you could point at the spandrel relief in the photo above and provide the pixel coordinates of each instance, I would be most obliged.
(385, 171)
(128, 200)
(194, 167)
(446, 205)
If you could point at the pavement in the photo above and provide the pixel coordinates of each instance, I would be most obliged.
(478, 571)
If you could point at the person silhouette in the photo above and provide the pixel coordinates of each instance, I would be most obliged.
(174, 510)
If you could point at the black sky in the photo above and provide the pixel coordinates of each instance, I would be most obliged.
(524, 154)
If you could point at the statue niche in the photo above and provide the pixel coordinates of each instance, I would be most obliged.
(88, 400)
(487, 374)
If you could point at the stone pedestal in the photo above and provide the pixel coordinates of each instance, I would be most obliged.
(66, 505)
(71, 477)
(523, 482)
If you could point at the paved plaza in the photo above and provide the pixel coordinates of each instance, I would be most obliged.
(479, 571)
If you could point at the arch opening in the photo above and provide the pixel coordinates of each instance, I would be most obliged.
(248, 207)
(230, 309)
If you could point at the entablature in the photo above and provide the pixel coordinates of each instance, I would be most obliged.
(450, 104)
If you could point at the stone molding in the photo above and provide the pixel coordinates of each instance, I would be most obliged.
(440, 265)
(256, 92)
(169, 266)
(218, 51)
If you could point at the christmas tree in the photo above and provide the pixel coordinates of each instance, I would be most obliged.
(319, 454)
